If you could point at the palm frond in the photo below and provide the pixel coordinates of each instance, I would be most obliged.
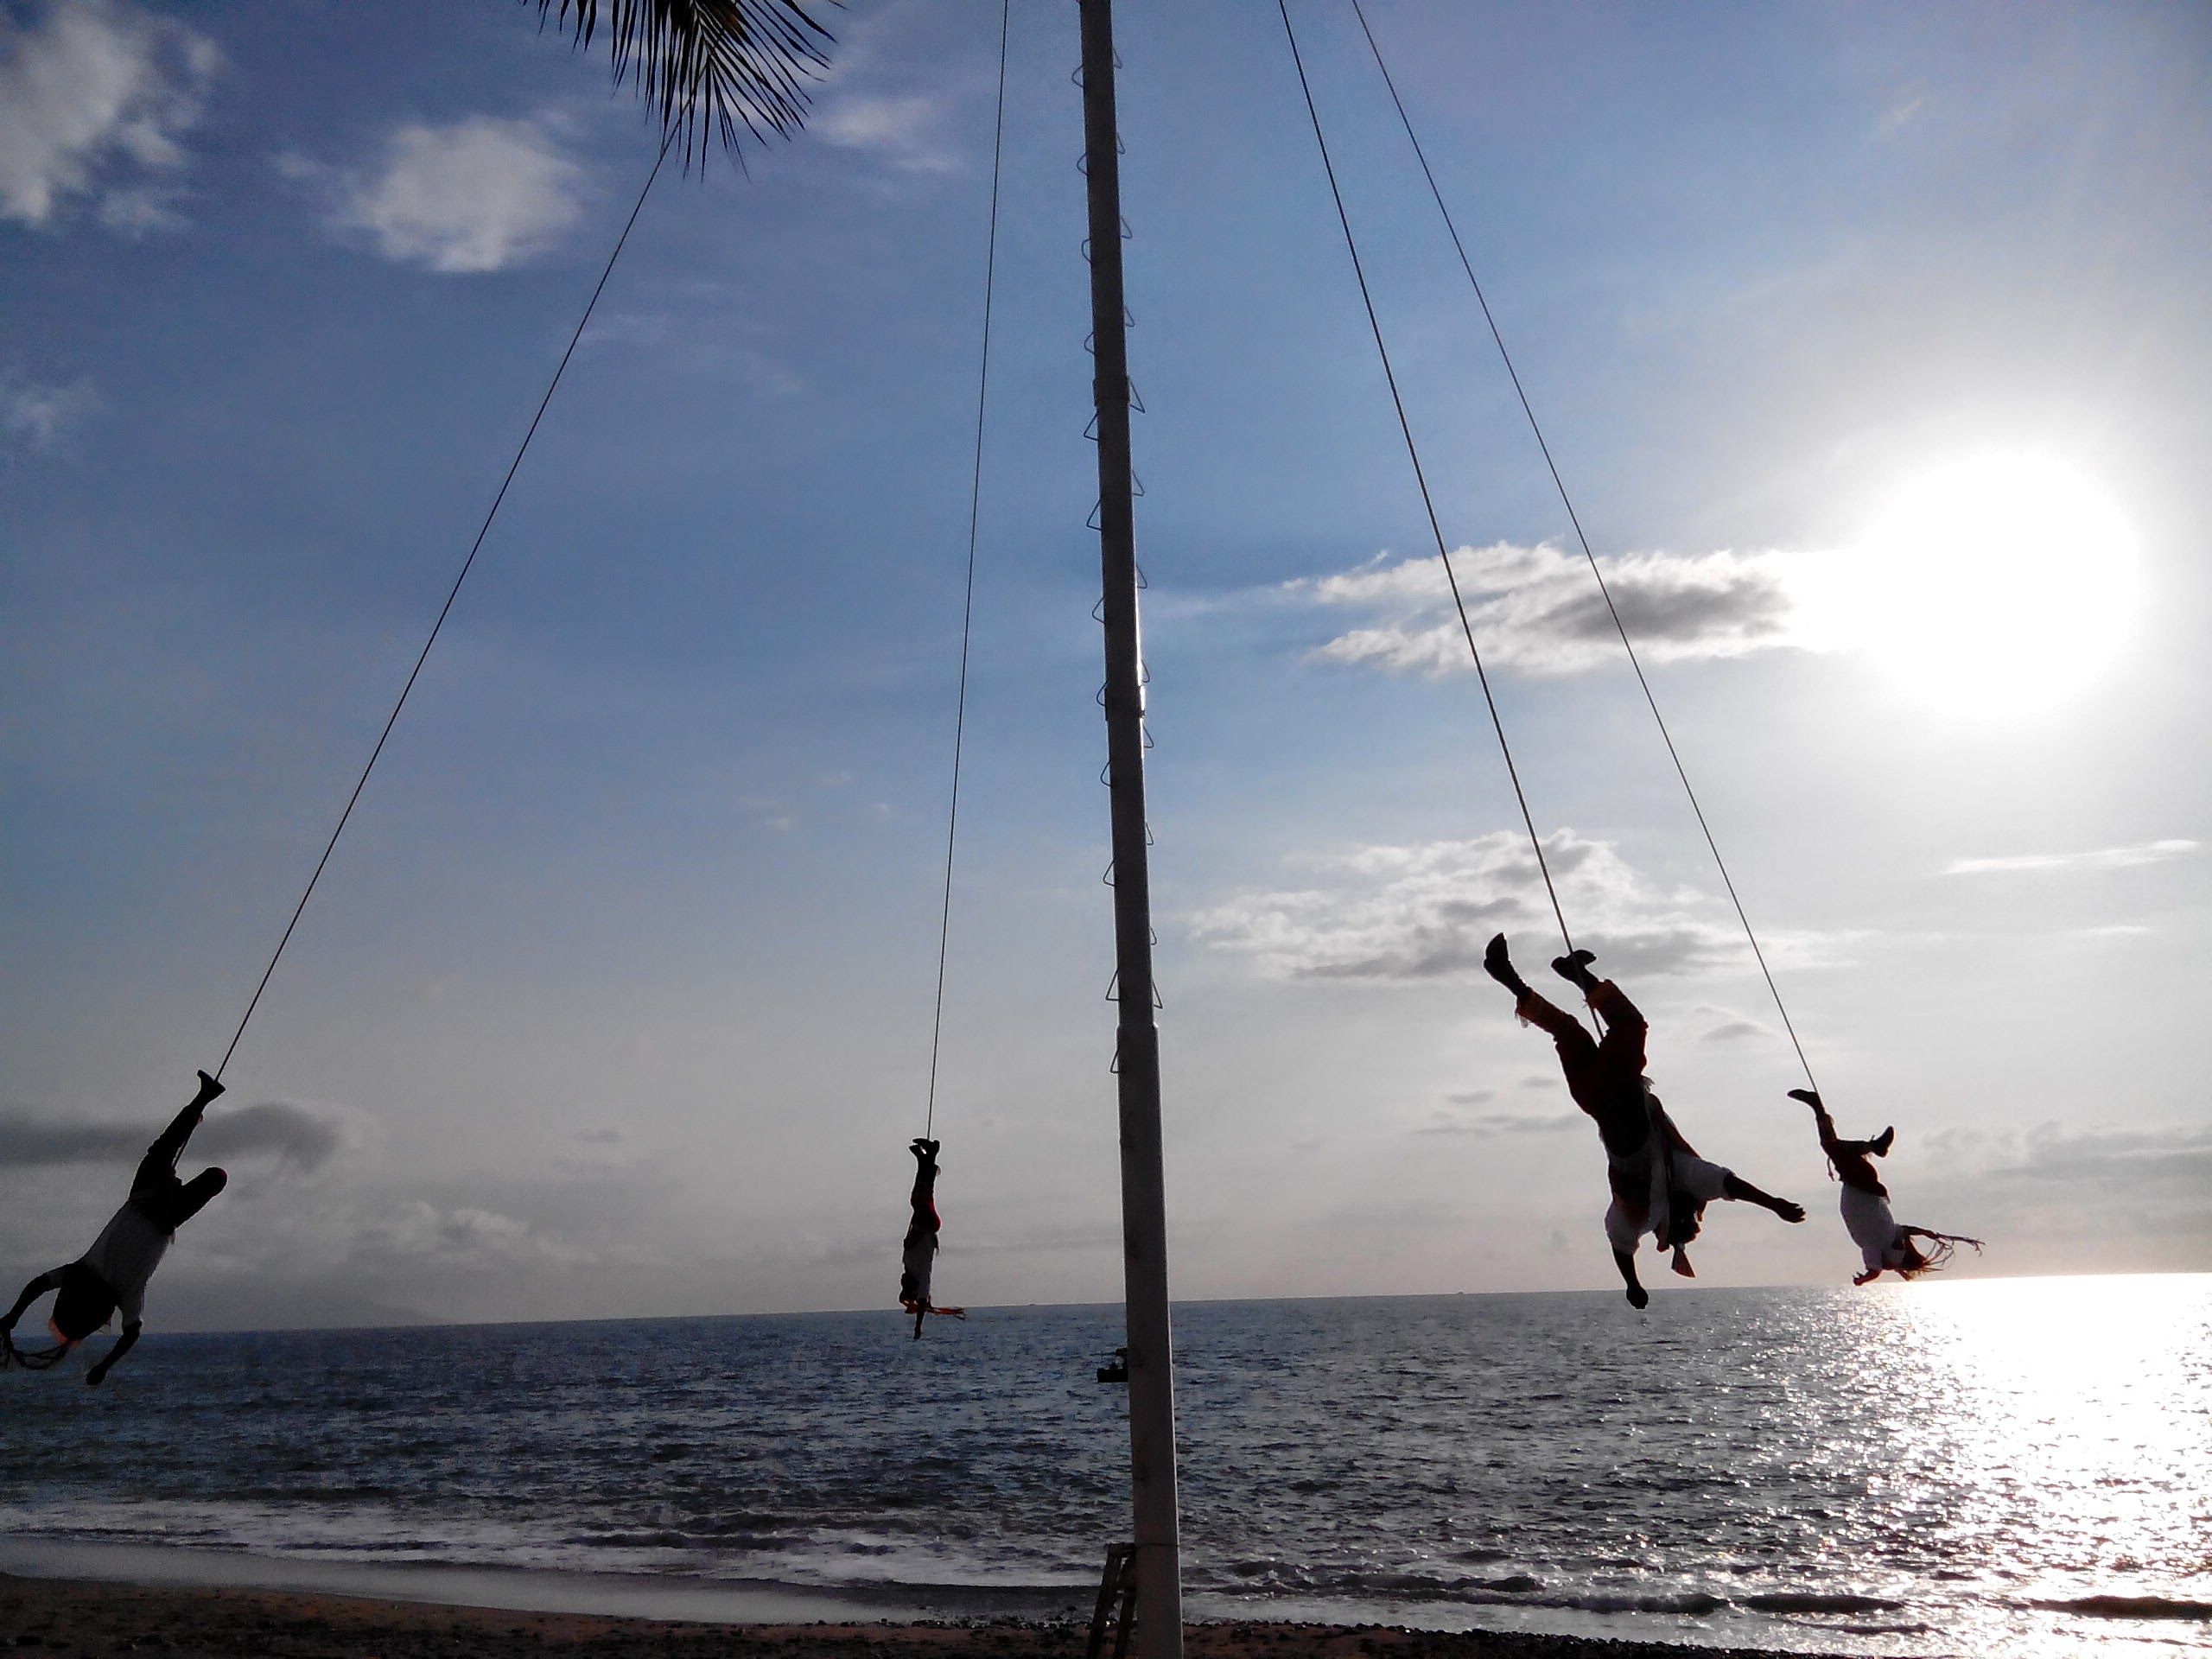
(709, 67)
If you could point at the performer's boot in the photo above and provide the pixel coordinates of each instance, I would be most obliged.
(1574, 967)
(1499, 967)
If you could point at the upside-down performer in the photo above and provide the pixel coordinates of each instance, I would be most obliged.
(1660, 1185)
(113, 1274)
(1884, 1246)
(919, 1255)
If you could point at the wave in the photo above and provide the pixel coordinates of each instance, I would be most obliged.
(2129, 1607)
(1795, 1602)
(1264, 1580)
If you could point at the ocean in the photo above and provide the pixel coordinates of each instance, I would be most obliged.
(1994, 1467)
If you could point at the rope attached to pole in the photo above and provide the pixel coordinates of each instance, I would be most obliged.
(1421, 476)
(968, 599)
(484, 530)
(1559, 483)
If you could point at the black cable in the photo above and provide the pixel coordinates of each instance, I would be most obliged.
(968, 603)
(1575, 519)
(483, 530)
(1412, 454)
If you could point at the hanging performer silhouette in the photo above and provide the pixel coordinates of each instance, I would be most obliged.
(1884, 1245)
(919, 1255)
(113, 1274)
(1660, 1186)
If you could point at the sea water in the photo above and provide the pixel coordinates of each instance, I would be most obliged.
(1995, 1467)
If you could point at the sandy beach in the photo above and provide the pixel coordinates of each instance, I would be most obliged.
(83, 1616)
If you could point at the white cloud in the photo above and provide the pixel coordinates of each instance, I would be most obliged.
(2102, 858)
(1402, 913)
(90, 86)
(38, 416)
(907, 131)
(1537, 609)
(480, 195)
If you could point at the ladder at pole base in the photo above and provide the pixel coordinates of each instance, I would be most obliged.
(1117, 1600)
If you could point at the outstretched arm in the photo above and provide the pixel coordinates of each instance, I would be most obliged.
(1735, 1187)
(50, 1280)
(106, 1363)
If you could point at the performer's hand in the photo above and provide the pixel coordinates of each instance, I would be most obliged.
(1638, 1297)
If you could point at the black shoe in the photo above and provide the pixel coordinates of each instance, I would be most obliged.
(1499, 966)
(1807, 1096)
(1879, 1145)
(1574, 968)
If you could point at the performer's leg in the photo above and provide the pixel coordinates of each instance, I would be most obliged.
(1625, 1027)
(922, 1199)
(1575, 1045)
(158, 1167)
(170, 1207)
(1561, 1026)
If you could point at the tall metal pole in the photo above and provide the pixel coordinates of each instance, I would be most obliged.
(1144, 1208)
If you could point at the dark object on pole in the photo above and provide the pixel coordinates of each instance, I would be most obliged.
(1115, 1369)
(1156, 1563)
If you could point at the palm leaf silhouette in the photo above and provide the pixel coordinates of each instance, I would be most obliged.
(711, 68)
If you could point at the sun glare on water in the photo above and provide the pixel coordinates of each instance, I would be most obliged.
(1995, 586)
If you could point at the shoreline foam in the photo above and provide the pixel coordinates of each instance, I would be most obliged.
(189, 1621)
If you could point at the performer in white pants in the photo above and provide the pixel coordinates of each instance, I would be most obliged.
(1884, 1245)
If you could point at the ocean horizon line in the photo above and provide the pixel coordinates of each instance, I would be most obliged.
(429, 1321)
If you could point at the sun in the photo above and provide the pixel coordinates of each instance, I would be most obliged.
(1996, 586)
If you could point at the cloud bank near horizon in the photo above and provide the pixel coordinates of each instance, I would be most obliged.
(295, 1136)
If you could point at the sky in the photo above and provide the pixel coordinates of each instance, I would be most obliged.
(1869, 340)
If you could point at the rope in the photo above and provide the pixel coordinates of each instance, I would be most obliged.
(483, 530)
(1575, 519)
(968, 601)
(1421, 476)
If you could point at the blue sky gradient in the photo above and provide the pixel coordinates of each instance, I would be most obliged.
(616, 997)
